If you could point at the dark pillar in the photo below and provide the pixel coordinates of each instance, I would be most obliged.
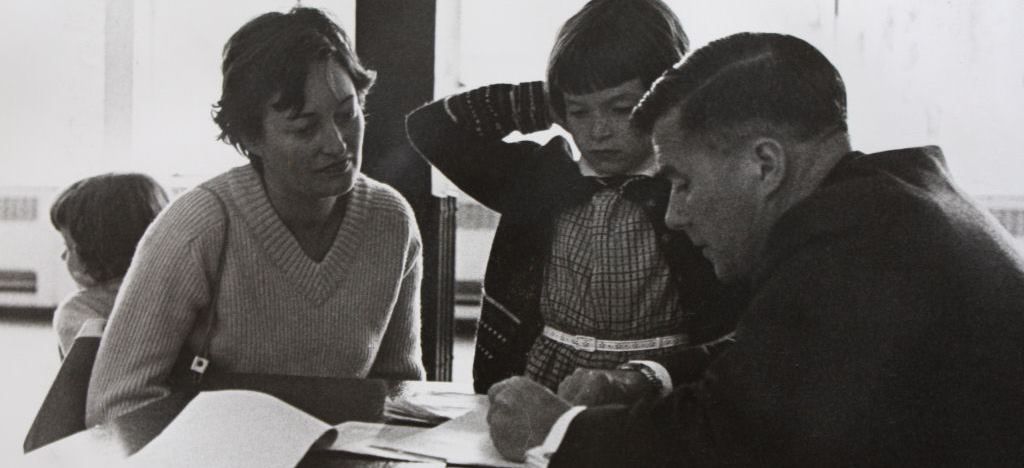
(396, 38)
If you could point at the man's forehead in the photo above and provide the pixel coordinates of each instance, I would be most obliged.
(667, 133)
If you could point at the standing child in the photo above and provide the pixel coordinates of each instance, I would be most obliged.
(583, 272)
(101, 219)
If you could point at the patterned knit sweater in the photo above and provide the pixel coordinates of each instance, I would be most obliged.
(354, 314)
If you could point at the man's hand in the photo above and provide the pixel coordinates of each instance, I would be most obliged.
(521, 415)
(590, 387)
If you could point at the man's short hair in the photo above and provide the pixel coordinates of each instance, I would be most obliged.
(750, 79)
(609, 42)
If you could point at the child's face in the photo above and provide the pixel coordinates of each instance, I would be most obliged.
(599, 123)
(74, 262)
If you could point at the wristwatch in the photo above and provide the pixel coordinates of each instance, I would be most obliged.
(647, 372)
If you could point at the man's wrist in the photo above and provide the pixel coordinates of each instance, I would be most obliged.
(538, 457)
(654, 373)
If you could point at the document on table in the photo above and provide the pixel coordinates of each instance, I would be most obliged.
(363, 438)
(431, 407)
(465, 440)
(234, 428)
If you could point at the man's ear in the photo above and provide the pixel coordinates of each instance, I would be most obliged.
(770, 159)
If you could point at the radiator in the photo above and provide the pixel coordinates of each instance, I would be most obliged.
(33, 275)
(31, 271)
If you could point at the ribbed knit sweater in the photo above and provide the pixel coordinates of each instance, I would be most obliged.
(353, 314)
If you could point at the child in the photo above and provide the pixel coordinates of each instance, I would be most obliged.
(582, 271)
(101, 219)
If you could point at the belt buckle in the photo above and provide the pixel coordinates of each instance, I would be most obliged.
(585, 343)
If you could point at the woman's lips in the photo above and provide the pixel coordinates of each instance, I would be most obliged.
(338, 168)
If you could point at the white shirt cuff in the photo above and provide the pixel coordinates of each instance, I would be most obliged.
(539, 456)
(661, 373)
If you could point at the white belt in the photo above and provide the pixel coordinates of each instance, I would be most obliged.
(589, 343)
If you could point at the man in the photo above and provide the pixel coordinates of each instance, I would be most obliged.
(885, 326)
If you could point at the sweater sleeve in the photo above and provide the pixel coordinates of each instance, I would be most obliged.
(165, 287)
(400, 355)
(462, 134)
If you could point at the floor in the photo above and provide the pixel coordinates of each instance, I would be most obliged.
(30, 362)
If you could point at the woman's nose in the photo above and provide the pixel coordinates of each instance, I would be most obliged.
(334, 141)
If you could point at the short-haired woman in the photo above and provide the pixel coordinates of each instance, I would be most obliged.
(316, 267)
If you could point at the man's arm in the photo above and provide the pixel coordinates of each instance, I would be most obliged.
(815, 377)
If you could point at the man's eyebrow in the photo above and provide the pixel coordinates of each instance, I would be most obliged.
(665, 171)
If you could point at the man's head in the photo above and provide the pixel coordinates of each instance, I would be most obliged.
(744, 128)
(604, 59)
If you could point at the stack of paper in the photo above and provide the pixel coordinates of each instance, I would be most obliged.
(464, 440)
(431, 407)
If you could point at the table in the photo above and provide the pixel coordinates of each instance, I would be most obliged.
(332, 400)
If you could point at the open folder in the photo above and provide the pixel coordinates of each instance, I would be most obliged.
(245, 428)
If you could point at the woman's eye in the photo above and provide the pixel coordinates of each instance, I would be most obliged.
(576, 113)
(345, 117)
(306, 131)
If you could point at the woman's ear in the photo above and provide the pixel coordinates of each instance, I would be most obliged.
(770, 158)
(250, 145)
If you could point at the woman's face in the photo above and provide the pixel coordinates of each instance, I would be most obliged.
(316, 152)
(74, 262)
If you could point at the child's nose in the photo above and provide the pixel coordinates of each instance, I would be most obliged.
(601, 128)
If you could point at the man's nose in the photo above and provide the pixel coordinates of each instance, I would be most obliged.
(676, 216)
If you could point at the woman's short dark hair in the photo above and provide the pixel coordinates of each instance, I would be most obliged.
(751, 79)
(609, 42)
(271, 55)
(105, 216)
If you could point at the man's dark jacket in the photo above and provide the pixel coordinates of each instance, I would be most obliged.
(529, 185)
(886, 329)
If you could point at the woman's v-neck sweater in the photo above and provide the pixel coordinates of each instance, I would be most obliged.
(355, 313)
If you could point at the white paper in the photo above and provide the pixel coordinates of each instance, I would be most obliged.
(230, 428)
(431, 407)
(363, 438)
(465, 440)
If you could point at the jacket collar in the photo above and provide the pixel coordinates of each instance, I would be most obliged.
(856, 192)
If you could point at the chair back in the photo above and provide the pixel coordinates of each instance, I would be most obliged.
(63, 410)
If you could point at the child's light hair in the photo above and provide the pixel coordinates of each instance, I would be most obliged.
(105, 216)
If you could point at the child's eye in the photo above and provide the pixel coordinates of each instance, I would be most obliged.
(577, 113)
(622, 110)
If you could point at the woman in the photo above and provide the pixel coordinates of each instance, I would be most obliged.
(321, 265)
